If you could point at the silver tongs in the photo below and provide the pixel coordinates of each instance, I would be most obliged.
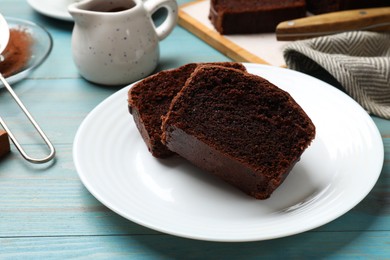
(4, 37)
(36, 126)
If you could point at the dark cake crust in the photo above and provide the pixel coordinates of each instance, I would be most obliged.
(326, 6)
(239, 127)
(4, 143)
(150, 99)
(253, 16)
(223, 166)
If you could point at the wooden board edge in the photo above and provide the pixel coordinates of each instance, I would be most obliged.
(214, 39)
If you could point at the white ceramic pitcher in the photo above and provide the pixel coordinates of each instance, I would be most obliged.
(116, 42)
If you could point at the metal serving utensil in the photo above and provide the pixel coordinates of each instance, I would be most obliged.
(4, 38)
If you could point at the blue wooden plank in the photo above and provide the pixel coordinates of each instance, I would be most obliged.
(383, 126)
(45, 211)
(50, 199)
(333, 245)
(59, 106)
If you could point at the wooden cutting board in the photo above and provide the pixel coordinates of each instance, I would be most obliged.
(256, 48)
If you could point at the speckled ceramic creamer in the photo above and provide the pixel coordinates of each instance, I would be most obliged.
(116, 42)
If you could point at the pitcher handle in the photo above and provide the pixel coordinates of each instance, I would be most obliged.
(167, 26)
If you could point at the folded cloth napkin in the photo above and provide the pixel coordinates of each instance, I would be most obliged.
(357, 62)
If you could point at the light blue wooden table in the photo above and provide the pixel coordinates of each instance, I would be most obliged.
(45, 211)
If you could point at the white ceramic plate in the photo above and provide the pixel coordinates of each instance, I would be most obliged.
(335, 173)
(40, 49)
(53, 8)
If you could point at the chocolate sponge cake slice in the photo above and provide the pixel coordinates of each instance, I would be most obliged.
(253, 16)
(239, 127)
(150, 99)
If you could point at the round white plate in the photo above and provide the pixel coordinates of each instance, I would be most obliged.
(53, 8)
(335, 173)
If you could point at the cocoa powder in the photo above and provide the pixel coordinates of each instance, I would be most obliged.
(17, 53)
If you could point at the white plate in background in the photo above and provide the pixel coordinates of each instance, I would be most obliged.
(53, 8)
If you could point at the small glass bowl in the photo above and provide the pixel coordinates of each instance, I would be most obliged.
(42, 44)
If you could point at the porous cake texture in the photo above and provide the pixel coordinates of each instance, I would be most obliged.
(150, 99)
(239, 127)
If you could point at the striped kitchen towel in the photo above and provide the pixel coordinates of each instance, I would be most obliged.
(357, 62)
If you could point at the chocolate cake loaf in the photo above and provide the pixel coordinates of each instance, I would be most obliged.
(253, 16)
(326, 6)
(150, 99)
(239, 127)
(4, 143)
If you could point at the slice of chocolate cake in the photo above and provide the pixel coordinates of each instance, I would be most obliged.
(150, 99)
(239, 127)
(253, 16)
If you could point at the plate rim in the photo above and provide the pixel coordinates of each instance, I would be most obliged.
(65, 16)
(206, 238)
